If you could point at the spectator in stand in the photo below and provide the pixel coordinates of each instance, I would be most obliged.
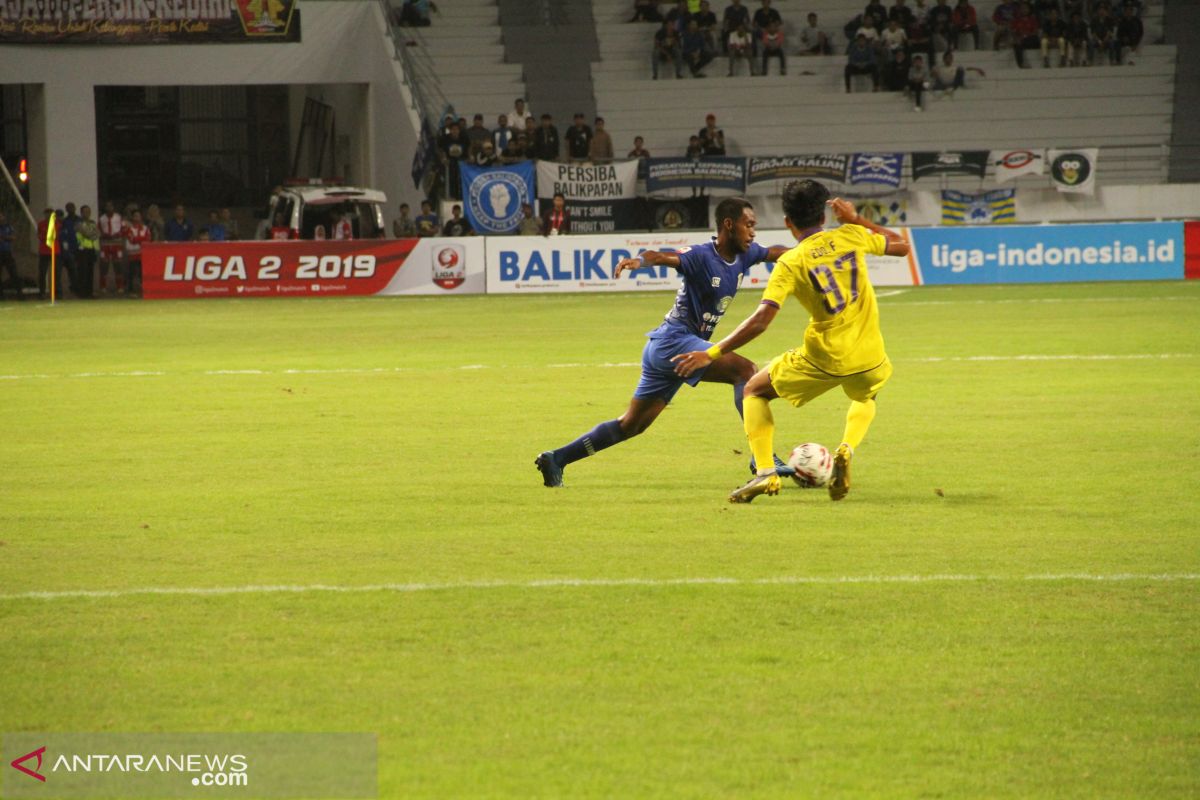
(1136, 5)
(521, 115)
(136, 233)
(416, 13)
(531, 129)
(901, 13)
(740, 46)
(180, 229)
(694, 148)
(427, 221)
(231, 226)
(503, 134)
(869, 27)
(530, 225)
(894, 39)
(216, 230)
(1002, 18)
(1104, 36)
(112, 248)
(735, 15)
(8, 265)
(279, 230)
(948, 77)
(895, 72)
(579, 139)
(666, 49)
(646, 11)
(1129, 34)
(515, 151)
(600, 151)
(706, 20)
(813, 40)
(477, 135)
(87, 237)
(876, 9)
(1042, 8)
(1079, 41)
(918, 79)
(44, 254)
(1024, 33)
(1054, 34)
(772, 47)
(452, 149)
(545, 143)
(860, 60)
(762, 19)
(557, 220)
(1072, 6)
(941, 25)
(403, 227)
(486, 155)
(964, 20)
(712, 138)
(457, 225)
(639, 150)
(920, 40)
(679, 16)
(343, 228)
(202, 235)
(695, 50)
(155, 222)
(70, 246)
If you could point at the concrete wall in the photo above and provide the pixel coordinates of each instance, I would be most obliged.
(345, 42)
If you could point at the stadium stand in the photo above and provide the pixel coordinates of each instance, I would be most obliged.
(1126, 110)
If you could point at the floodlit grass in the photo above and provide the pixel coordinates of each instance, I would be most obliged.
(390, 441)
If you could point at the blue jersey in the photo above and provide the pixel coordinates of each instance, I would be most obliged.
(709, 284)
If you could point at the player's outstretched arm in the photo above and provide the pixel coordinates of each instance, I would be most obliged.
(650, 258)
(751, 328)
(847, 214)
(775, 252)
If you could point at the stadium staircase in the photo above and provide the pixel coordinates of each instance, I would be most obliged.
(1181, 21)
(1125, 110)
(555, 40)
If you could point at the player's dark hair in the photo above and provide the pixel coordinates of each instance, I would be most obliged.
(804, 203)
(731, 208)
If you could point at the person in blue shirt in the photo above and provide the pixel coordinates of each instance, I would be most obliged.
(711, 276)
(8, 265)
(179, 228)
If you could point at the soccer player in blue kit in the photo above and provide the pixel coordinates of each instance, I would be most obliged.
(711, 275)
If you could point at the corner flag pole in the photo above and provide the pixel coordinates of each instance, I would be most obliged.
(51, 241)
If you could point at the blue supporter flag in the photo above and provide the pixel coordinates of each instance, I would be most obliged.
(881, 168)
(493, 196)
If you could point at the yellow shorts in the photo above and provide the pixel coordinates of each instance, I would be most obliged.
(798, 381)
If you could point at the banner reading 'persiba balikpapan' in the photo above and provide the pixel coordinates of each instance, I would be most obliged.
(148, 21)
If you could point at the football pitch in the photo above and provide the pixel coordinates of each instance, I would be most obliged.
(323, 515)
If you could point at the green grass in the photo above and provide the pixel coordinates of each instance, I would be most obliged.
(422, 473)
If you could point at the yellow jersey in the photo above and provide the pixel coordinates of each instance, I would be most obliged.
(827, 273)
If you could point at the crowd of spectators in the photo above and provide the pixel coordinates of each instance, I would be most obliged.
(102, 254)
(1066, 32)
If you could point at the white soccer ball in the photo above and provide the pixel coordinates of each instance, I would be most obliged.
(813, 464)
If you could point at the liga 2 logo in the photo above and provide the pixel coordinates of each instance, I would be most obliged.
(449, 265)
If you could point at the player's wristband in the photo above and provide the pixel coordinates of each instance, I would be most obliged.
(714, 352)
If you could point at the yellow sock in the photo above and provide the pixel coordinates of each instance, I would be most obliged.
(760, 431)
(858, 420)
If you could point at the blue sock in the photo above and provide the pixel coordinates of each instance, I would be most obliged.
(606, 434)
(738, 388)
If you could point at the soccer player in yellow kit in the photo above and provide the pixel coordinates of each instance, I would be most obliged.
(827, 272)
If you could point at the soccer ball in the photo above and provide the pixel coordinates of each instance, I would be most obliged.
(813, 465)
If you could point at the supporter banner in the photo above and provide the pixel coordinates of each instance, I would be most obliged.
(830, 167)
(881, 168)
(425, 156)
(313, 268)
(980, 208)
(1010, 164)
(615, 181)
(712, 172)
(684, 213)
(886, 211)
(493, 196)
(949, 162)
(1191, 233)
(1074, 170)
(1049, 253)
(148, 21)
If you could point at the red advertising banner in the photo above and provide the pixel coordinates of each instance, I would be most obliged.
(312, 268)
(1191, 248)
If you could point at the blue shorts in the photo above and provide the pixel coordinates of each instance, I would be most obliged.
(658, 371)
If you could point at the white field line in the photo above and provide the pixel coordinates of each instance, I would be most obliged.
(572, 365)
(1012, 301)
(570, 583)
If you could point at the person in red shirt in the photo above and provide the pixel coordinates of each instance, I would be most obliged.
(342, 228)
(44, 252)
(280, 230)
(557, 220)
(1024, 33)
(963, 20)
(136, 233)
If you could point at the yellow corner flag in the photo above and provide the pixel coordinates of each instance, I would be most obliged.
(51, 238)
